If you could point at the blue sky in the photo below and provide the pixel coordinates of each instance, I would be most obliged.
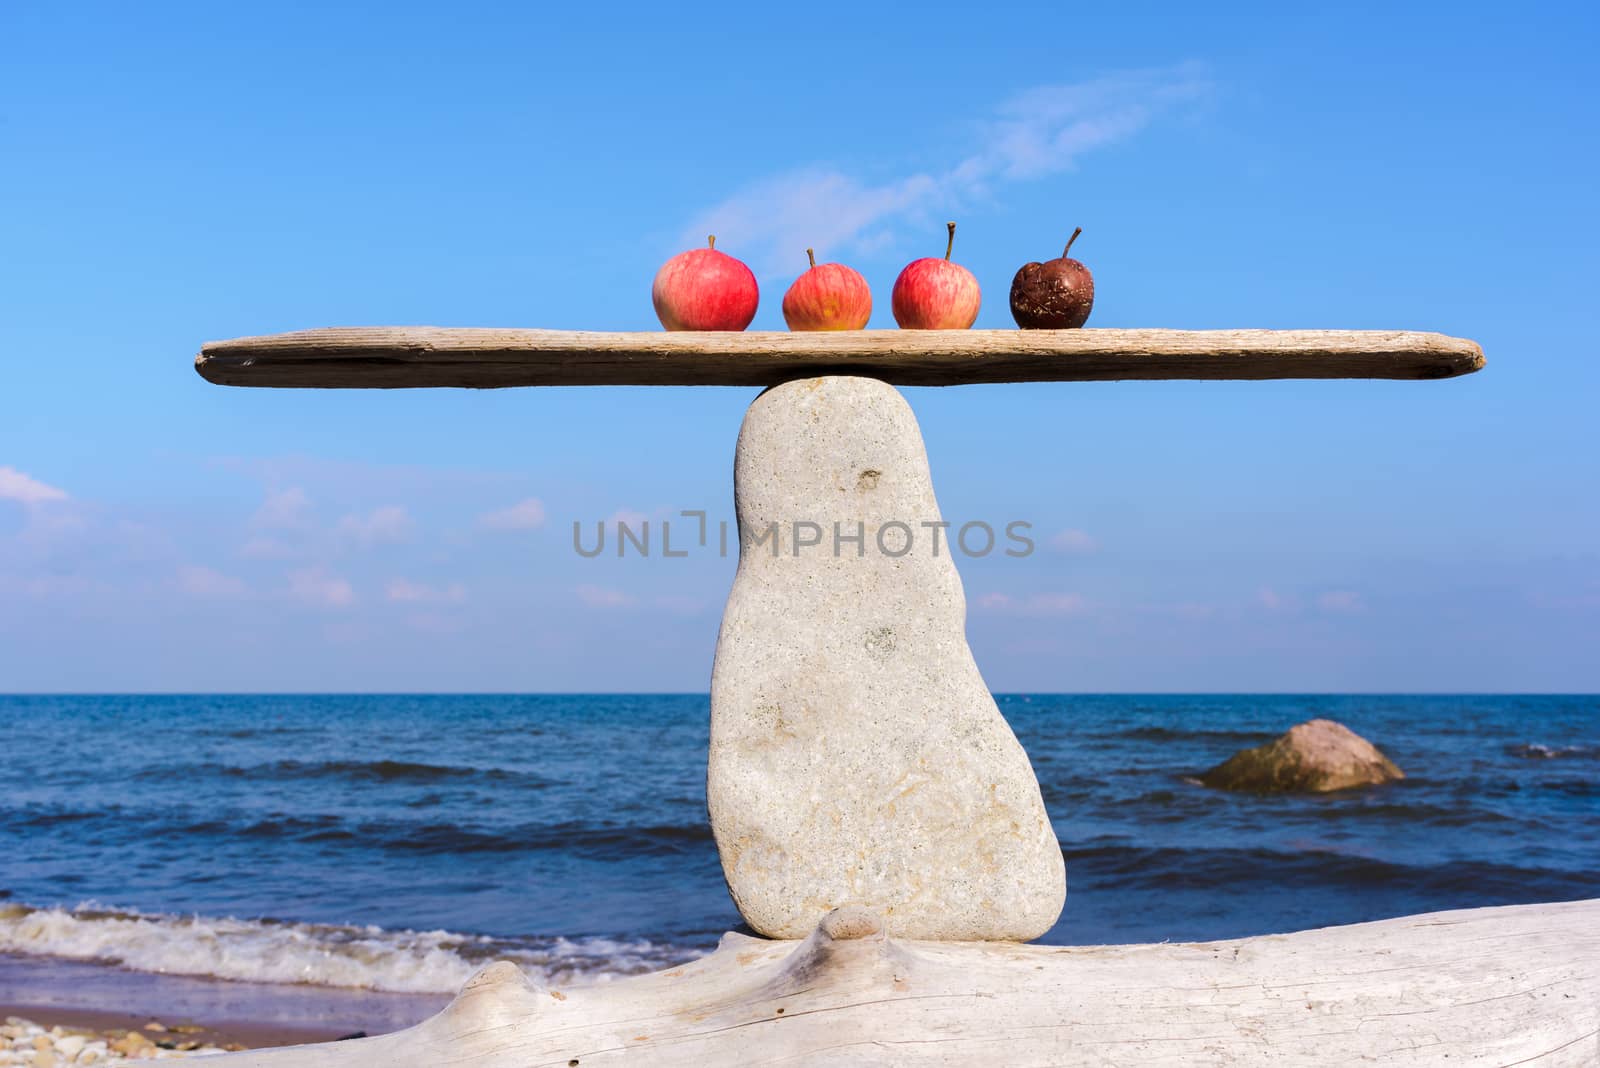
(177, 173)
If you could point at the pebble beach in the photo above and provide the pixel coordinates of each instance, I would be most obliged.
(24, 1042)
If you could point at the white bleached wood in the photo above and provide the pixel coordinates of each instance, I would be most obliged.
(1518, 985)
(390, 357)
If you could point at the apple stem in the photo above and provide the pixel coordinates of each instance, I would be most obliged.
(711, 242)
(812, 256)
(951, 244)
(1070, 240)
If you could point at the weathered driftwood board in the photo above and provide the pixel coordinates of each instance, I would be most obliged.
(398, 356)
(1500, 986)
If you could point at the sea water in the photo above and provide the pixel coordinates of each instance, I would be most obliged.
(395, 843)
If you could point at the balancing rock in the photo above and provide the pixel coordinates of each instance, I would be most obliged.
(857, 758)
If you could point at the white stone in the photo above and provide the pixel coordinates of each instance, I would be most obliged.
(857, 757)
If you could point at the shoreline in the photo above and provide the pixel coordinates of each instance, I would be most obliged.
(81, 996)
(226, 1034)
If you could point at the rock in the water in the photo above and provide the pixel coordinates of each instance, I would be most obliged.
(857, 757)
(1317, 756)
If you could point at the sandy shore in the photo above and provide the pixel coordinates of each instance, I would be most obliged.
(73, 1010)
(220, 1034)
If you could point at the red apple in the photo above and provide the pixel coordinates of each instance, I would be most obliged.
(935, 294)
(704, 289)
(829, 297)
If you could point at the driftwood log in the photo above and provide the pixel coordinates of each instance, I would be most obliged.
(388, 357)
(1518, 985)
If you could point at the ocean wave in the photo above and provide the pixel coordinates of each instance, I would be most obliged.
(1358, 809)
(620, 841)
(402, 772)
(255, 732)
(1172, 734)
(1321, 867)
(1535, 751)
(453, 839)
(1571, 787)
(45, 816)
(269, 951)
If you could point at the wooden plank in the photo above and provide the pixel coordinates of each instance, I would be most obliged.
(412, 356)
(1497, 986)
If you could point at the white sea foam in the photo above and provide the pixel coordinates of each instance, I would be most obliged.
(265, 951)
(1536, 751)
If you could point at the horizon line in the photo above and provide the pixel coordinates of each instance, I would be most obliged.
(706, 693)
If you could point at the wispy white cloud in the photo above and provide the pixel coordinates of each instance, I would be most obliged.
(1043, 131)
(285, 508)
(53, 528)
(53, 585)
(1035, 134)
(1341, 602)
(1073, 541)
(626, 517)
(1037, 604)
(770, 224)
(1056, 604)
(260, 548)
(405, 591)
(25, 489)
(317, 586)
(1190, 610)
(386, 524)
(524, 515)
(434, 623)
(197, 580)
(601, 597)
(1273, 601)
